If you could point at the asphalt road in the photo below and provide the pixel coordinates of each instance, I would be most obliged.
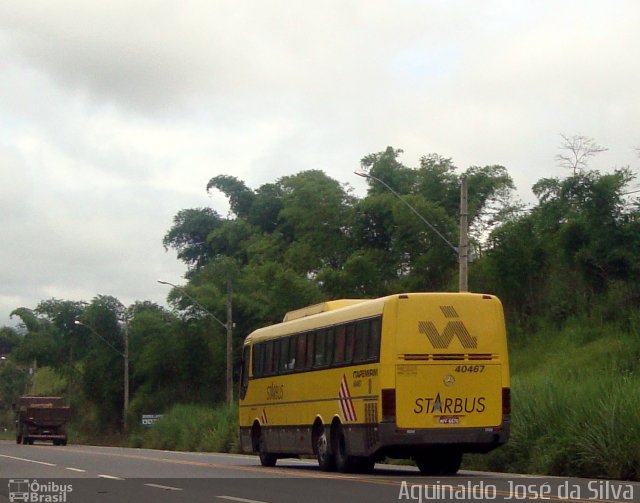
(78, 473)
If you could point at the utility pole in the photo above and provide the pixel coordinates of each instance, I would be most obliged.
(463, 248)
(229, 343)
(126, 376)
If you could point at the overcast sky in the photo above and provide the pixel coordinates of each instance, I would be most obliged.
(115, 114)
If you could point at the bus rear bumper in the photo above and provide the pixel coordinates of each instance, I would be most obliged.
(393, 439)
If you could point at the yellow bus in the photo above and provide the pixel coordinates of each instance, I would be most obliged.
(415, 375)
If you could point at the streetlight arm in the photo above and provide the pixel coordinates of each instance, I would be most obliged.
(367, 175)
(184, 292)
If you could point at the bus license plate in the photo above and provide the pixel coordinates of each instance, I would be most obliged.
(449, 420)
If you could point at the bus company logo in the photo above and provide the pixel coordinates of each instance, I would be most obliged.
(346, 403)
(446, 405)
(453, 329)
(33, 491)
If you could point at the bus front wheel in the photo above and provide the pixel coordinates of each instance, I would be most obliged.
(266, 458)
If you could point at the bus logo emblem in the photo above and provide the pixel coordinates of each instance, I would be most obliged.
(453, 329)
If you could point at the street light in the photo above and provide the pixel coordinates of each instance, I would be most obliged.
(125, 356)
(228, 326)
(463, 249)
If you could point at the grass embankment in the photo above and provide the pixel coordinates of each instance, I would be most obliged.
(192, 428)
(575, 405)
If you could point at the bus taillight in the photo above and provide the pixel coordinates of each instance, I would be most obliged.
(388, 404)
(506, 401)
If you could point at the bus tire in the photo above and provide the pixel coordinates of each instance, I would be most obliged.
(450, 463)
(344, 462)
(266, 458)
(326, 460)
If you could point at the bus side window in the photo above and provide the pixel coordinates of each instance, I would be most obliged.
(268, 358)
(349, 343)
(283, 345)
(320, 349)
(339, 345)
(244, 379)
(310, 348)
(362, 341)
(301, 350)
(374, 342)
(258, 360)
(289, 349)
(277, 346)
(331, 335)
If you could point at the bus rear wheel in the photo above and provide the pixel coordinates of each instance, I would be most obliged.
(326, 460)
(344, 462)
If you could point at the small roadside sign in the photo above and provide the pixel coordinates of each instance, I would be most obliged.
(150, 419)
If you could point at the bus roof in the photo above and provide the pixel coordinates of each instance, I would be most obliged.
(325, 313)
(321, 308)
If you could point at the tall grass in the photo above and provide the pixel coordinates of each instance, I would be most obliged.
(193, 428)
(576, 406)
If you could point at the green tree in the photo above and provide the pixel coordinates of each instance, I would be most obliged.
(188, 235)
(9, 339)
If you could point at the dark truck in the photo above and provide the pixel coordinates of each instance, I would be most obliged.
(41, 418)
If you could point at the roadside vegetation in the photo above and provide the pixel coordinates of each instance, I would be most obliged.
(566, 268)
(576, 397)
(192, 427)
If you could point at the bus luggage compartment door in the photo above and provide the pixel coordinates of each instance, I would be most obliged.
(448, 395)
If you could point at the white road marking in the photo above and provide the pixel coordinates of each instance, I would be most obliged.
(167, 488)
(76, 469)
(28, 460)
(241, 500)
(111, 477)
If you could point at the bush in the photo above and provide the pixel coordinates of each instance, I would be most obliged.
(193, 428)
